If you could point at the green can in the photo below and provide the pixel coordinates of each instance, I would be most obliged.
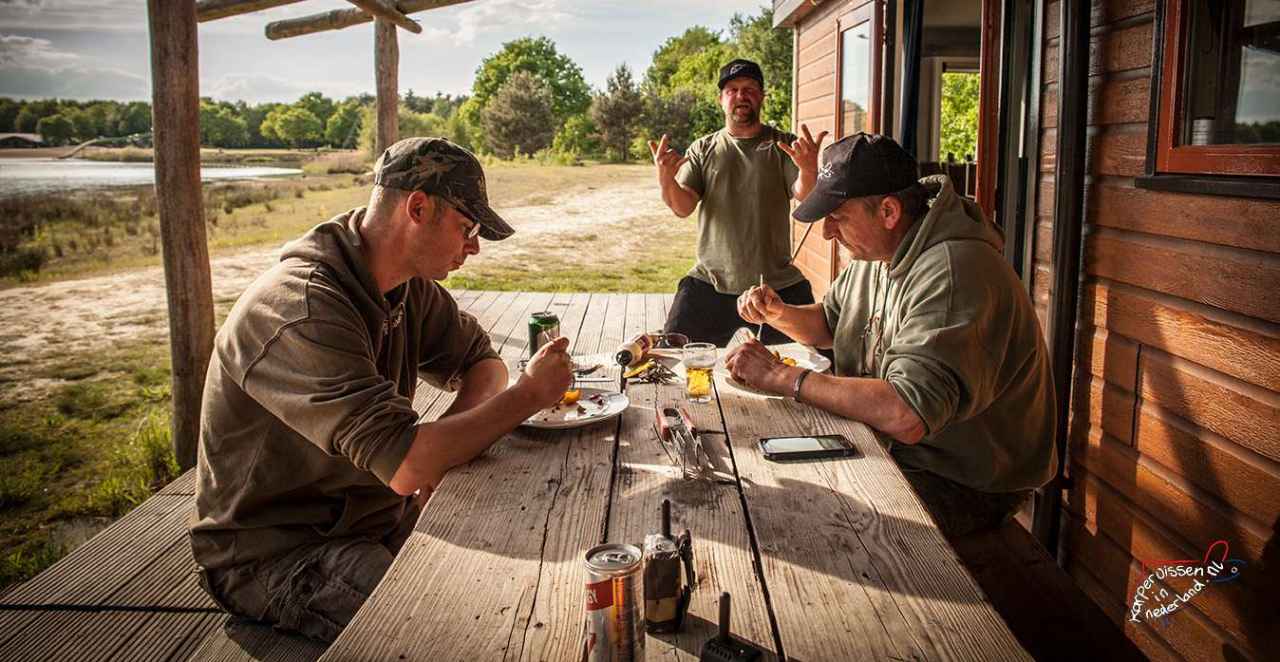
(543, 328)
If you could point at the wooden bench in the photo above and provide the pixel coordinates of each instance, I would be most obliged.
(1051, 617)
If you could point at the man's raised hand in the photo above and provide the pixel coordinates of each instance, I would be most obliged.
(804, 151)
(667, 159)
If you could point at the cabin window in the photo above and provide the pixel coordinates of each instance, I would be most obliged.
(1219, 88)
(858, 41)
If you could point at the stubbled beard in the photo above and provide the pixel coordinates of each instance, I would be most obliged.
(753, 115)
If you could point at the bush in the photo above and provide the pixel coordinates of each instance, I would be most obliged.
(25, 259)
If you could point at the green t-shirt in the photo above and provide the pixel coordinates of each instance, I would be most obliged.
(744, 216)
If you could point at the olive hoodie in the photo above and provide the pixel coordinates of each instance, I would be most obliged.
(949, 325)
(307, 409)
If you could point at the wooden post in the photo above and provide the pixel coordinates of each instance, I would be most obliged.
(386, 61)
(377, 9)
(338, 19)
(175, 100)
(210, 10)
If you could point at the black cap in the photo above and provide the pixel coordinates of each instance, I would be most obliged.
(438, 167)
(857, 166)
(739, 68)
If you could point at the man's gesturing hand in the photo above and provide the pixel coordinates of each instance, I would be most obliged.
(804, 151)
(667, 159)
(548, 373)
(760, 305)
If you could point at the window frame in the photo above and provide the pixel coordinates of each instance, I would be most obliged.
(1253, 161)
(869, 12)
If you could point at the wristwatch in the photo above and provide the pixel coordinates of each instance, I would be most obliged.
(795, 389)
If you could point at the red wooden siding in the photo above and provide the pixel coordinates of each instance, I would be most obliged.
(1177, 401)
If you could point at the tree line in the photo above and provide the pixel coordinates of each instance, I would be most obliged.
(526, 99)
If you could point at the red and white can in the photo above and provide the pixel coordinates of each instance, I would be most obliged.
(615, 594)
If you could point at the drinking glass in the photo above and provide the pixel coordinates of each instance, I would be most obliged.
(699, 360)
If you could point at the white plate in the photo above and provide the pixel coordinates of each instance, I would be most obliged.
(608, 405)
(804, 358)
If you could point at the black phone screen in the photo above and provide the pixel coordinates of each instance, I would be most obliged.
(806, 447)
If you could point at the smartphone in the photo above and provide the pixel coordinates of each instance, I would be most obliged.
(807, 447)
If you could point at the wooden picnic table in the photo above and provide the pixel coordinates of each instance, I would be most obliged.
(833, 560)
(825, 561)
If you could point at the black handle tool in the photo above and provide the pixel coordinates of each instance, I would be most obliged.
(724, 647)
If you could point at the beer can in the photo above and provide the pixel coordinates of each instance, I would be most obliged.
(543, 328)
(615, 623)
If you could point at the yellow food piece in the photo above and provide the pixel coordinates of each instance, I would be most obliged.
(788, 360)
(638, 369)
(571, 397)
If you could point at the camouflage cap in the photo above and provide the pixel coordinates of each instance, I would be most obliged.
(438, 167)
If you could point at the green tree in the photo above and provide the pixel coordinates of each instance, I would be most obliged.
(220, 126)
(26, 120)
(959, 115)
(578, 137)
(82, 123)
(615, 112)
(55, 129)
(667, 59)
(343, 126)
(538, 57)
(521, 116)
(671, 116)
(296, 127)
(317, 104)
(9, 110)
(134, 118)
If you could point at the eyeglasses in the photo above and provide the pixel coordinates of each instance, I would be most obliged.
(473, 231)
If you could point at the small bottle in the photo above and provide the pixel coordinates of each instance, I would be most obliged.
(632, 351)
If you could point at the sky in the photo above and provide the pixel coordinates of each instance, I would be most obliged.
(99, 49)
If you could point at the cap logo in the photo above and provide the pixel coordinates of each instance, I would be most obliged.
(736, 68)
(827, 171)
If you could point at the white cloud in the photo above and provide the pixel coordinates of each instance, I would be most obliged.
(74, 14)
(258, 88)
(19, 51)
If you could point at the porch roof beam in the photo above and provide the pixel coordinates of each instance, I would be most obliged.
(338, 19)
(211, 10)
(385, 10)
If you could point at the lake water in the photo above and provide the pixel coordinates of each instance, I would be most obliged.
(24, 176)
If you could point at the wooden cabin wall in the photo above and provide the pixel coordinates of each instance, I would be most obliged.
(1176, 412)
(814, 96)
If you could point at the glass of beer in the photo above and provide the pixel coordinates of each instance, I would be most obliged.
(699, 360)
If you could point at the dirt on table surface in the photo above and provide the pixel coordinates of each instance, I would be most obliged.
(42, 323)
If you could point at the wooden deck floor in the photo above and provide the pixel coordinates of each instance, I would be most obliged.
(130, 593)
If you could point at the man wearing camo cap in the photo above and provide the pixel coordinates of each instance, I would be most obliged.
(310, 450)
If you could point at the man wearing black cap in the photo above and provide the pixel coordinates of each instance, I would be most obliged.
(310, 449)
(936, 343)
(741, 179)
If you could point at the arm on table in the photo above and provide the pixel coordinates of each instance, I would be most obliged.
(445, 443)
(481, 382)
(872, 401)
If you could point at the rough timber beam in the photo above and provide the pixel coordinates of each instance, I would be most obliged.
(388, 12)
(211, 10)
(344, 18)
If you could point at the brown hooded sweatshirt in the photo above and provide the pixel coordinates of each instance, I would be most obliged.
(307, 408)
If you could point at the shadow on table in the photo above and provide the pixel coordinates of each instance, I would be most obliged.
(693, 635)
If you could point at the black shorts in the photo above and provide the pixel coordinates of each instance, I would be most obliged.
(705, 315)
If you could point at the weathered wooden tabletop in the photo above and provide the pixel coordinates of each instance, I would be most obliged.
(826, 561)
(833, 560)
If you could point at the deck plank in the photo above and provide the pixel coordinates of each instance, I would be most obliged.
(866, 545)
(712, 512)
(237, 640)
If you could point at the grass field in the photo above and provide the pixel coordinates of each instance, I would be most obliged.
(96, 442)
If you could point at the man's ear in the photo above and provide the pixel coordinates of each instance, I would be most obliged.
(419, 206)
(891, 211)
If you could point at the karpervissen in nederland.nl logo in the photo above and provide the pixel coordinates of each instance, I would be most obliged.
(1151, 601)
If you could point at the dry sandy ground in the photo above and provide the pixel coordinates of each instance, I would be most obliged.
(44, 323)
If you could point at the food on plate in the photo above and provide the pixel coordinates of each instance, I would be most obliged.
(571, 396)
(785, 359)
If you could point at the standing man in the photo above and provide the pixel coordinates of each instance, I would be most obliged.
(936, 343)
(310, 449)
(741, 179)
